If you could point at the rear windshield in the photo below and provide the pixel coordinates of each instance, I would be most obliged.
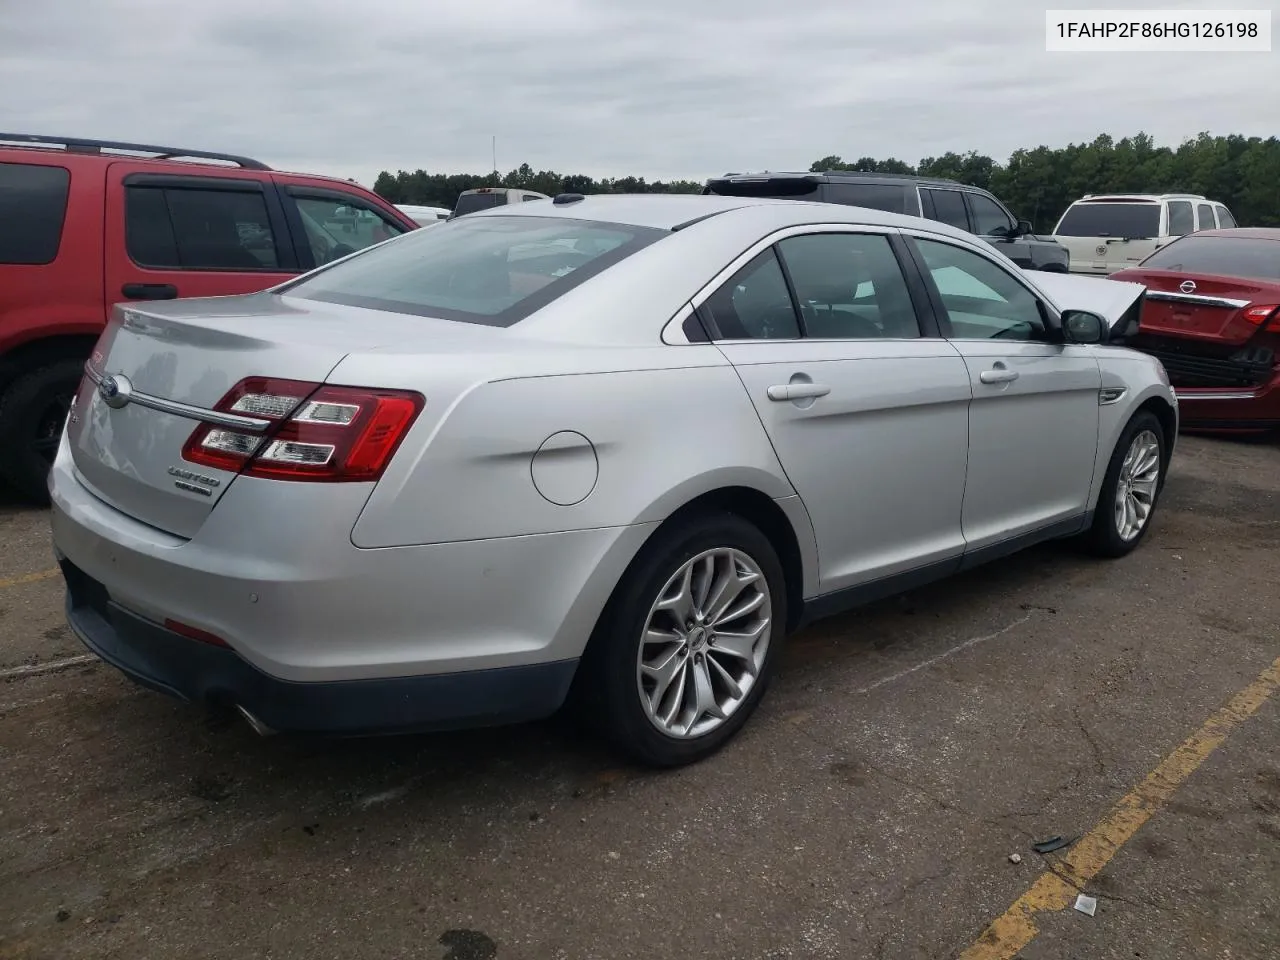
(33, 204)
(1227, 256)
(1130, 221)
(494, 270)
(471, 202)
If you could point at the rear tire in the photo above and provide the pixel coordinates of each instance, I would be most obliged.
(1130, 487)
(33, 411)
(717, 668)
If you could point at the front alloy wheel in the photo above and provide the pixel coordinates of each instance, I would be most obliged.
(704, 642)
(1138, 484)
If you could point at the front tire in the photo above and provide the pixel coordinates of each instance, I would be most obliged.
(686, 647)
(1131, 488)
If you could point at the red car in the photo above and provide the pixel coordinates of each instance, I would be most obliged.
(1212, 317)
(87, 223)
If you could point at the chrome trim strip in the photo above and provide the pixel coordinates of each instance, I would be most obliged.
(217, 418)
(1183, 395)
(1197, 298)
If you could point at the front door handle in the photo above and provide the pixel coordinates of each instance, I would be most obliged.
(798, 391)
(149, 291)
(998, 375)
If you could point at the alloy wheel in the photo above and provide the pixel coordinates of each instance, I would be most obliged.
(1137, 485)
(704, 642)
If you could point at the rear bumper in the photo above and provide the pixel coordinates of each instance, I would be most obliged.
(198, 672)
(277, 578)
(1228, 408)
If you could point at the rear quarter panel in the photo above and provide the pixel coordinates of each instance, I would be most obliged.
(631, 446)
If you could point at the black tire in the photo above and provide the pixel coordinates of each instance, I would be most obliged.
(1103, 539)
(32, 411)
(607, 692)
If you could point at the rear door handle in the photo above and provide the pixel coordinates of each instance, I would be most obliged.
(798, 391)
(149, 291)
(999, 375)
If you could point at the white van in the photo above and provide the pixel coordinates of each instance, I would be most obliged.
(1106, 233)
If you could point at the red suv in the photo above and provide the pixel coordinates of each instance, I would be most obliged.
(88, 223)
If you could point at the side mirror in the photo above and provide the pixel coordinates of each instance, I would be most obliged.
(1081, 326)
(1025, 227)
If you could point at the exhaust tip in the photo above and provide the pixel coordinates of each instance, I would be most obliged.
(260, 728)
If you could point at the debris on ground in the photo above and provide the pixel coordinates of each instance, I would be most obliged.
(1086, 905)
(1015, 858)
(1052, 844)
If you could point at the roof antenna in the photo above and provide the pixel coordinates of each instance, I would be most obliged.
(494, 146)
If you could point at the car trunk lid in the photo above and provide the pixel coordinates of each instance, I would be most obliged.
(157, 373)
(1204, 307)
(1209, 331)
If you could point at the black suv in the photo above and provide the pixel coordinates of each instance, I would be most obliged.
(958, 204)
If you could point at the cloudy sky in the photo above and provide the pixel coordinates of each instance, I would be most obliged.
(659, 88)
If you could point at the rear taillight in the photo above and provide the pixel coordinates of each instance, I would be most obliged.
(1257, 315)
(317, 432)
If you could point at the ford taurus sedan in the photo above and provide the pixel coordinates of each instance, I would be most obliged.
(605, 450)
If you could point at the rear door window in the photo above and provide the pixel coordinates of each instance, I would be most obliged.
(849, 286)
(1204, 213)
(891, 197)
(1180, 218)
(33, 206)
(755, 303)
(192, 228)
(1127, 220)
(948, 207)
(337, 226)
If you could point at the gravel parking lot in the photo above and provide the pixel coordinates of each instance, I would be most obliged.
(869, 810)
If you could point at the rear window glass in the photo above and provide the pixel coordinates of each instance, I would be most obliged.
(33, 204)
(494, 270)
(1131, 221)
(1228, 256)
(471, 202)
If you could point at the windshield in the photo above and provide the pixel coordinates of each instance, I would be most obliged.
(494, 270)
(471, 202)
(1130, 221)
(1225, 256)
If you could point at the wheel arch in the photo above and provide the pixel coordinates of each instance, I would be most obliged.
(31, 354)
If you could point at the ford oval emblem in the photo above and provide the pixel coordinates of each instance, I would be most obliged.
(114, 391)
(1188, 286)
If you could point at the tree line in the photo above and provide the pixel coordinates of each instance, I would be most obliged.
(1036, 183)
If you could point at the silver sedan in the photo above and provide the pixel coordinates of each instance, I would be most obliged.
(606, 451)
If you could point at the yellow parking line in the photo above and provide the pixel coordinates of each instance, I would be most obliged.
(29, 578)
(1056, 889)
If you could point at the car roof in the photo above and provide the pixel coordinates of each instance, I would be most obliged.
(844, 175)
(1241, 233)
(675, 211)
(1139, 197)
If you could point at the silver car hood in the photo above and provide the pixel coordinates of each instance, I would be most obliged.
(1100, 295)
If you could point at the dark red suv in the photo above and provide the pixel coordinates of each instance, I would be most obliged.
(85, 224)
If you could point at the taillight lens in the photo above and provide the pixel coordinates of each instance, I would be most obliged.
(1257, 315)
(318, 432)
